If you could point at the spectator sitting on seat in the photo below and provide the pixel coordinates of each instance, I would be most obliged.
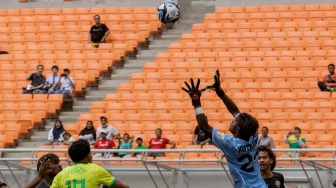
(139, 146)
(125, 144)
(267, 162)
(65, 84)
(98, 32)
(103, 143)
(88, 133)
(159, 143)
(51, 80)
(37, 81)
(112, 133)
(3, 185)
(328, 83)
(295, 141)
(55, 136)
(68, 139)
(201, 139)
(266, 140)
(48, 166)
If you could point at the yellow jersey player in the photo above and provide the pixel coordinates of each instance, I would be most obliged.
(84, 174)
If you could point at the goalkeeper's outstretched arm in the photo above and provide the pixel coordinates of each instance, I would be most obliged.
(202, 121)
(230, 105)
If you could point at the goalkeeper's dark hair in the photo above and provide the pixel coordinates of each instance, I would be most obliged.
(331, 65)
(79, 150)
(248, 125)
(52, 157)
(269, 153)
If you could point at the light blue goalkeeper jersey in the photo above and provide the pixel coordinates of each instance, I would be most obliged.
(242, 159)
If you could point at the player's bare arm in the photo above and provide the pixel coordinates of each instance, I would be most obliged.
(230, 105)
(119, 184)
(195, 95)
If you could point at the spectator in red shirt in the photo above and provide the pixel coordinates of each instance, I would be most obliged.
(159, 143)
(328, 82)
(103, 143)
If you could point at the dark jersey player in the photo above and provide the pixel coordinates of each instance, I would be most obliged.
(98, 32)
(267, 162)
(241, 149)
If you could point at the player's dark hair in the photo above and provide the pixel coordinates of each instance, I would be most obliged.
(298, 128)
(264, 127)
(52, 157)
(269, 153)
(39, 66)
(96, 16)
(127, 134)
(248, 125)
(158, 129)
(79, 150)
(54, 67)
(331, 65)
(66, 70)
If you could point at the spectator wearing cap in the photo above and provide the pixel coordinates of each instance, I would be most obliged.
(112, 133)
(266, 140)
(139, 141)
(295, 141)
(103, 143)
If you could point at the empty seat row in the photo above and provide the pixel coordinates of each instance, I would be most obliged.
(269, 16)
(225, 56)
(35, 40)
(63, 48)
(217, 106)
(50, 58)
(73, 29)
(234, 66)
(241, 74)
(73, 19)
(264, 26)
(211, 97)
(215, 117)
(262, 45)
(78, 11)
(258, 36)
(276, 8)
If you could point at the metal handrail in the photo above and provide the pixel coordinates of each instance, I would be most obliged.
(157, 165)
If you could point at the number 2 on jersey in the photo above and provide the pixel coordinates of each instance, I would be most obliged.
(75, 183)
(245, 165)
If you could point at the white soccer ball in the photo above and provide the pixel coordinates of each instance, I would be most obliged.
(168, 12)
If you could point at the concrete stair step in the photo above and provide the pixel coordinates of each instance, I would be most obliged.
(94, 98)
(151, 51)
(70, 114)
(69, 118)
(171, 38)
(83, 108)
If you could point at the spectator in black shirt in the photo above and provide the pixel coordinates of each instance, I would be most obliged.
(98, 32)
(201, 139)
(267, 162)
(37, 81)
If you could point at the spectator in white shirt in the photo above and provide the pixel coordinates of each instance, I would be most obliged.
(51, 80)
(111, 132)
(65, 84)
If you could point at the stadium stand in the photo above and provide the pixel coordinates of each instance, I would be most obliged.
(63, 42)
(270, 57)
(273, 78)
